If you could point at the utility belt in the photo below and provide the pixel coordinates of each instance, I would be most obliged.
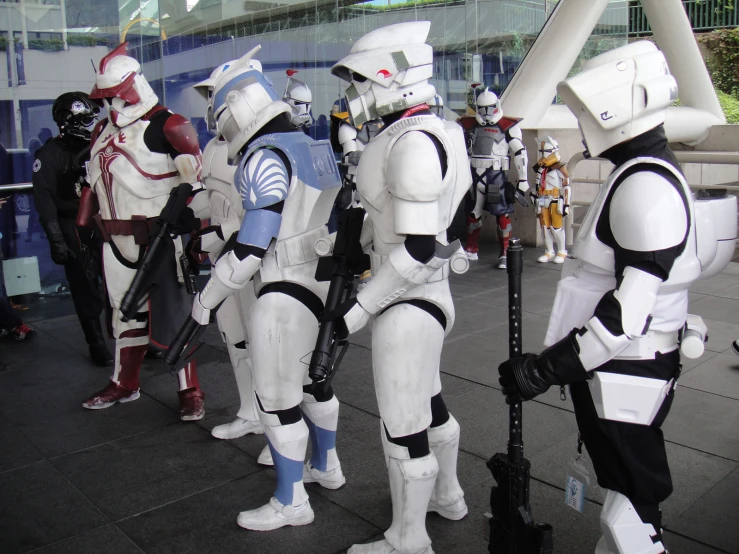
(139, 227)
(300, 249)
(553, 193)
(646, 347)
(377, 260)
(495, 163)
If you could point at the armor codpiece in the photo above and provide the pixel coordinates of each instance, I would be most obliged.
(552, 198)
(492, 148)
(409, 207)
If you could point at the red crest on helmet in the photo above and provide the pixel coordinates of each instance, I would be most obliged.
(121, 50)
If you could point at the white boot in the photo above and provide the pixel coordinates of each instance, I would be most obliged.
(265, 457)
(322, 419)
(289, 505)
(559, 236)
(411, 484)
(548, 255)
(247, 420)
(447, 500)
(623, 530)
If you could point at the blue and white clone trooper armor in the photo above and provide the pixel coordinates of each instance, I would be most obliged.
(226, 215)
(287, 183)
(411, 177)
(619, 321)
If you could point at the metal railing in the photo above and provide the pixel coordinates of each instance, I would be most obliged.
(704, 15)
(16, 187)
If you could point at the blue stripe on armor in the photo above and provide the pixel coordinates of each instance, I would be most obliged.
(288, 472)
(259, 227)
(322, 440)
(241, 81)
(262, 179)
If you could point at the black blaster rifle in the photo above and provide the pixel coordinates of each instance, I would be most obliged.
(512, 527)
(347, 261)
(156, 252)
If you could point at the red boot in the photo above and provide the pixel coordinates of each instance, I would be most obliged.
(22, 332)
(192, 399)
(110, 395)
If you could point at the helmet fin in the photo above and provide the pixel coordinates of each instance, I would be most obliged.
(121, 50)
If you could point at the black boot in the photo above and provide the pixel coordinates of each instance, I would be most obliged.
(99, 352)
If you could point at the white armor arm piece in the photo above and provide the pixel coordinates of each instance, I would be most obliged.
(520, 156)
(646, 215)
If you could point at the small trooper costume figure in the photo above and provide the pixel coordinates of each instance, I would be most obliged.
(491, 138)
(437, 106)
(551, 197)
(409, 207)
(299, 97)
(614, 332)
(287, 183)
(139, 154)
(226, 215)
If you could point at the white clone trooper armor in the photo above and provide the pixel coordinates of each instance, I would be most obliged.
(494, 140)
(299, 97)
(641, 245)
(408, 302)
(552, 198)
(226, 213)
(131, 174)
(286, 184)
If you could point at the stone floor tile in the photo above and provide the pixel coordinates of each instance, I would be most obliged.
(108, 539)
(206, 522)
(719, 309)
(16, 450)
(718, 375)
(39, 507)
(720, 335)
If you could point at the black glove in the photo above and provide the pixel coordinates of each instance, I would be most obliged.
(186, 223)
(530, 375)
(60, 252)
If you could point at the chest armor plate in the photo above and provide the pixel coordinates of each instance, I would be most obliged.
(225, 201)
(372, 175)
(128, 178)
(553, 180)
(590, 250)
(314, 181)
(489, 142)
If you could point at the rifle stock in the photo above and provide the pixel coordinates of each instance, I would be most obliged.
(153, 258)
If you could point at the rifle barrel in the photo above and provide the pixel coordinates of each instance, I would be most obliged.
(515, 342)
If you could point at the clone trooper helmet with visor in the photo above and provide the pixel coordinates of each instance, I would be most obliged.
(121, 87)
(205, 89)
(299, 97)
(243, 102)
(488, 110)
(548, 152)
(620, 95)
(388, 70)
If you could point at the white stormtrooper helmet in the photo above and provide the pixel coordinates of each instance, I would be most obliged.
(620, 95)
(244, 102)
(206, 88)
(437, 105)
(388, 69)
(488, 110)
(122, 88)
(298, 96)
(548, 152)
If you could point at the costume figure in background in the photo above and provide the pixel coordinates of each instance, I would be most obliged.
(551, 197)
(139, 154)
(491, 139)
(287, 183)
(299, 97)
(622, 304)
(226, 215)
(410, 179)
(58, 181)
(437, 106)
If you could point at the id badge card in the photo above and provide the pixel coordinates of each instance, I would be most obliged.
(578, 480)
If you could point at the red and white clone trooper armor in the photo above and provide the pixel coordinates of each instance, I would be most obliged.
(493, 141)
(620, 318)
(411, 177)
(139, 154)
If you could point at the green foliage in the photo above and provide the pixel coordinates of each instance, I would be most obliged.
(730, 106)
(86, 40)
(723, 59)
(3, 44)
(47, 45)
